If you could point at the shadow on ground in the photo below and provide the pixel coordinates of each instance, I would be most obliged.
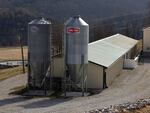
(44, 103)
(38, 104)
(13, 100)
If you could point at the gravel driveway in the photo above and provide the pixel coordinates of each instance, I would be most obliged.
(130, 86)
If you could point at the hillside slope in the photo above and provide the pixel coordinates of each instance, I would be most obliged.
(62, 9)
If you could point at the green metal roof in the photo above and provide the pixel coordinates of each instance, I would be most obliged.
(107, 51)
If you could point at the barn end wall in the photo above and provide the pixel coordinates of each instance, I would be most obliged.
(114, 71)
(95, 76)
(146, 40)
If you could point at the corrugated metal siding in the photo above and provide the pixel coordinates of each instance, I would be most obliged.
(107, 51)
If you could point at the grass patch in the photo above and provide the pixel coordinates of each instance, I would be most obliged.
(12, 53)
(19, 90)
(10, 72)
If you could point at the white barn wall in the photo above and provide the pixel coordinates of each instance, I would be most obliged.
(131, 54)
(95, 76)
(146, 40)
(114, 71)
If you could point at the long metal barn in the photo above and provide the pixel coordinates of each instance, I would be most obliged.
(106, 60)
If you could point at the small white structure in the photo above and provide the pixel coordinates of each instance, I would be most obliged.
(146, 40)
(106, 59)
(130, 63)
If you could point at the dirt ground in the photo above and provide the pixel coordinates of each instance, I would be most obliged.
(129, 87)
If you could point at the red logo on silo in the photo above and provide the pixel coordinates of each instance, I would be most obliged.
(73, 30)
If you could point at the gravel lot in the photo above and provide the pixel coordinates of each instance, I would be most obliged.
(129, 87)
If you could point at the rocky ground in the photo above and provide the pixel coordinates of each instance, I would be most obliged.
(131, 86)
(124, 108)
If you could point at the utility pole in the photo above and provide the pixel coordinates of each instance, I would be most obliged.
(22, 53)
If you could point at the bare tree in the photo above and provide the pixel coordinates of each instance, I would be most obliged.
(102, 30)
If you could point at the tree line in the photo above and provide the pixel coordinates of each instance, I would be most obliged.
(14, 22)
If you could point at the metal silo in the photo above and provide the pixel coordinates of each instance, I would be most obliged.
(76, 49)
(39, 42)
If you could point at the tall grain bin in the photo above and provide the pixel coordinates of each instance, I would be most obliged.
(76, 48)
(39, 42)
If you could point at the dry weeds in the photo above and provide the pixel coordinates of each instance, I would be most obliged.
(10, 72)
(12, 53)
(143, 110)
